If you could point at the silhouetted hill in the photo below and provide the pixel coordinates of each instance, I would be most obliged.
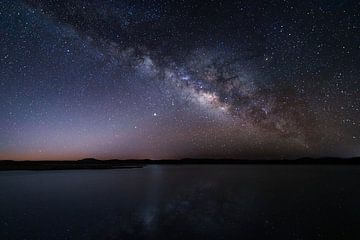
(89, 160)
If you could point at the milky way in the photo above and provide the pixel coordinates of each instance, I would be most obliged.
(151, 79)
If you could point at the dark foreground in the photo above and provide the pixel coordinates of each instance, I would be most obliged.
(191, 201)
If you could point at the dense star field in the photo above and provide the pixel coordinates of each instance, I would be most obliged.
(175, 79)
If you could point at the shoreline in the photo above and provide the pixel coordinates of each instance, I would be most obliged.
(8, 165)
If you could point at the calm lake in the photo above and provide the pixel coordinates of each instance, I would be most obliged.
(183, 202)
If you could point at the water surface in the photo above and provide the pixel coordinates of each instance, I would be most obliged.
(179, 202)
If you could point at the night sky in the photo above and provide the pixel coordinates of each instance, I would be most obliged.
(175, 79)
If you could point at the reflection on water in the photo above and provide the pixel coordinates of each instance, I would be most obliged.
(179, 202)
